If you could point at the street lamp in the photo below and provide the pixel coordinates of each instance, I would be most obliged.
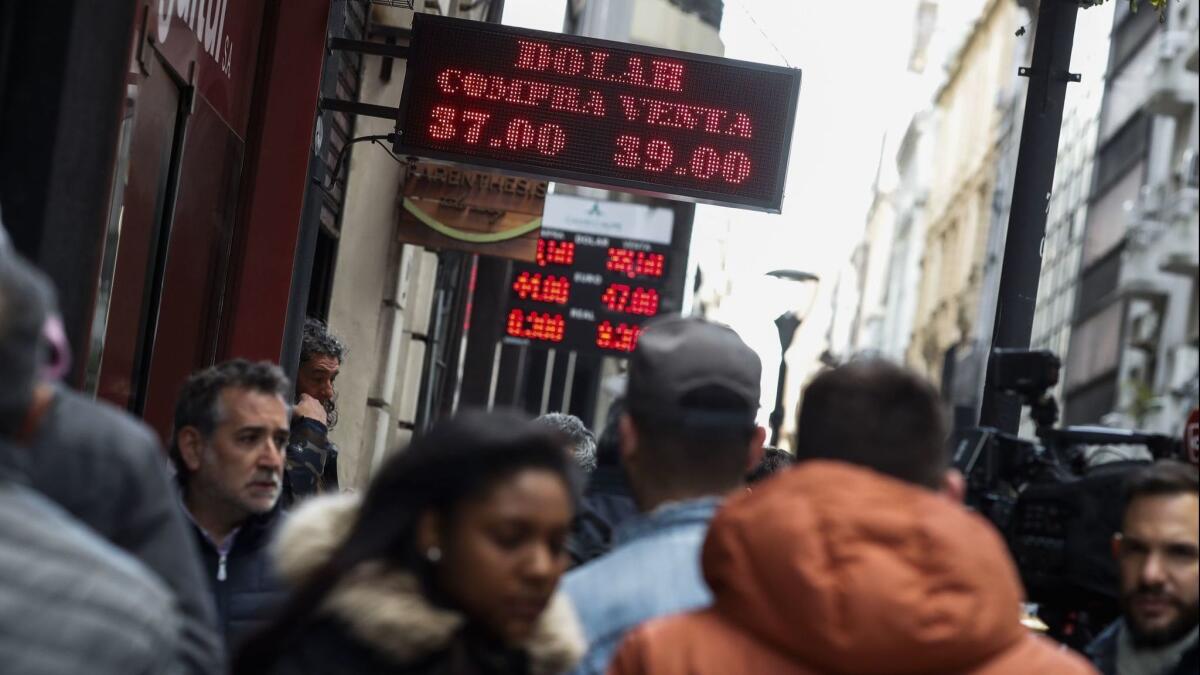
(787, 324)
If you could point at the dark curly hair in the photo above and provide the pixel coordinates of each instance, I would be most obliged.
(318, 341)
(199, 401)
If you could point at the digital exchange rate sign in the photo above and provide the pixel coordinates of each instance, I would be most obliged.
(599, 113)
(589, 289)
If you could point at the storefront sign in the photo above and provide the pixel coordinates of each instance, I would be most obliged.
(596, 112)
(219, 38)
(451, 207)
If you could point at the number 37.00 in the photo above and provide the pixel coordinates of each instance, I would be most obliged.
(519, 134)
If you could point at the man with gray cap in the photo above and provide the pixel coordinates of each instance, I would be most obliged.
(688, 437)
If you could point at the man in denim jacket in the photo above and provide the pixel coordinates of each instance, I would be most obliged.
(687, 439)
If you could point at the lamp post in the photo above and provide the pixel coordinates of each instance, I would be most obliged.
(787, 324)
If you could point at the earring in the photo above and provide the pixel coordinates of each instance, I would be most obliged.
(433, 554)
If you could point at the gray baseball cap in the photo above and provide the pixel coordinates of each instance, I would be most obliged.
(695, 373)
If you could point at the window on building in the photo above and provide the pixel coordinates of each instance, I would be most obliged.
(1127, 91)
(1097, 284)
(1130, 31)
(1122, 152)
(1108, 216)
(1095, 347)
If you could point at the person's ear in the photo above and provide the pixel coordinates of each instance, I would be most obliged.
(755, 455)
(191, 447)
(954, 485)
(1117, 541)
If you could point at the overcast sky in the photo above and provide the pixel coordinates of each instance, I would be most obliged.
(854, 88)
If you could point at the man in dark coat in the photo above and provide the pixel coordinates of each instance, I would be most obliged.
(97, 463)
(231, 432)
(311, 456)
(1158, 558)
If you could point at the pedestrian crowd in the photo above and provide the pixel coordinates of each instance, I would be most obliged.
(671, 543)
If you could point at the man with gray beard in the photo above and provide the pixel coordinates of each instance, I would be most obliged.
(228, 446)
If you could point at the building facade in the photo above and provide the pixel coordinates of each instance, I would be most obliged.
(871, 260)
(156, 164)
(383, 291)
(914, 166)
(1133, 344)
(961, 192)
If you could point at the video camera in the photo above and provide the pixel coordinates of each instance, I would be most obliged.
(1057, 510)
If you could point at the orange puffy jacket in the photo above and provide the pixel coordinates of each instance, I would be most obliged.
(833, 569)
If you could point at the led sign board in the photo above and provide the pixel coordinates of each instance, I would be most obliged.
(586, 292)
(601, 271)
(597, 112)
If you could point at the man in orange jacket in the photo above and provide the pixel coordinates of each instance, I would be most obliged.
(859, 560)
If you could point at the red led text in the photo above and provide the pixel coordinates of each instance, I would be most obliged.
(550, 252)
(684, 116)
(635, 263)
(600, 65)
(549, 288)
(622, 338)
(640, 301)
(522, 92)
(519, 134)
(659, 156)
(536, 326)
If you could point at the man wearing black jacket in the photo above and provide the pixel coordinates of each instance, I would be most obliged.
(231, 434)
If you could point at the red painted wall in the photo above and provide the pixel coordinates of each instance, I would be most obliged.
(217, 186)
(283, 125)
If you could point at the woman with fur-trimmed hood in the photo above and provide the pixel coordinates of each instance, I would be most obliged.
(448, 565)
